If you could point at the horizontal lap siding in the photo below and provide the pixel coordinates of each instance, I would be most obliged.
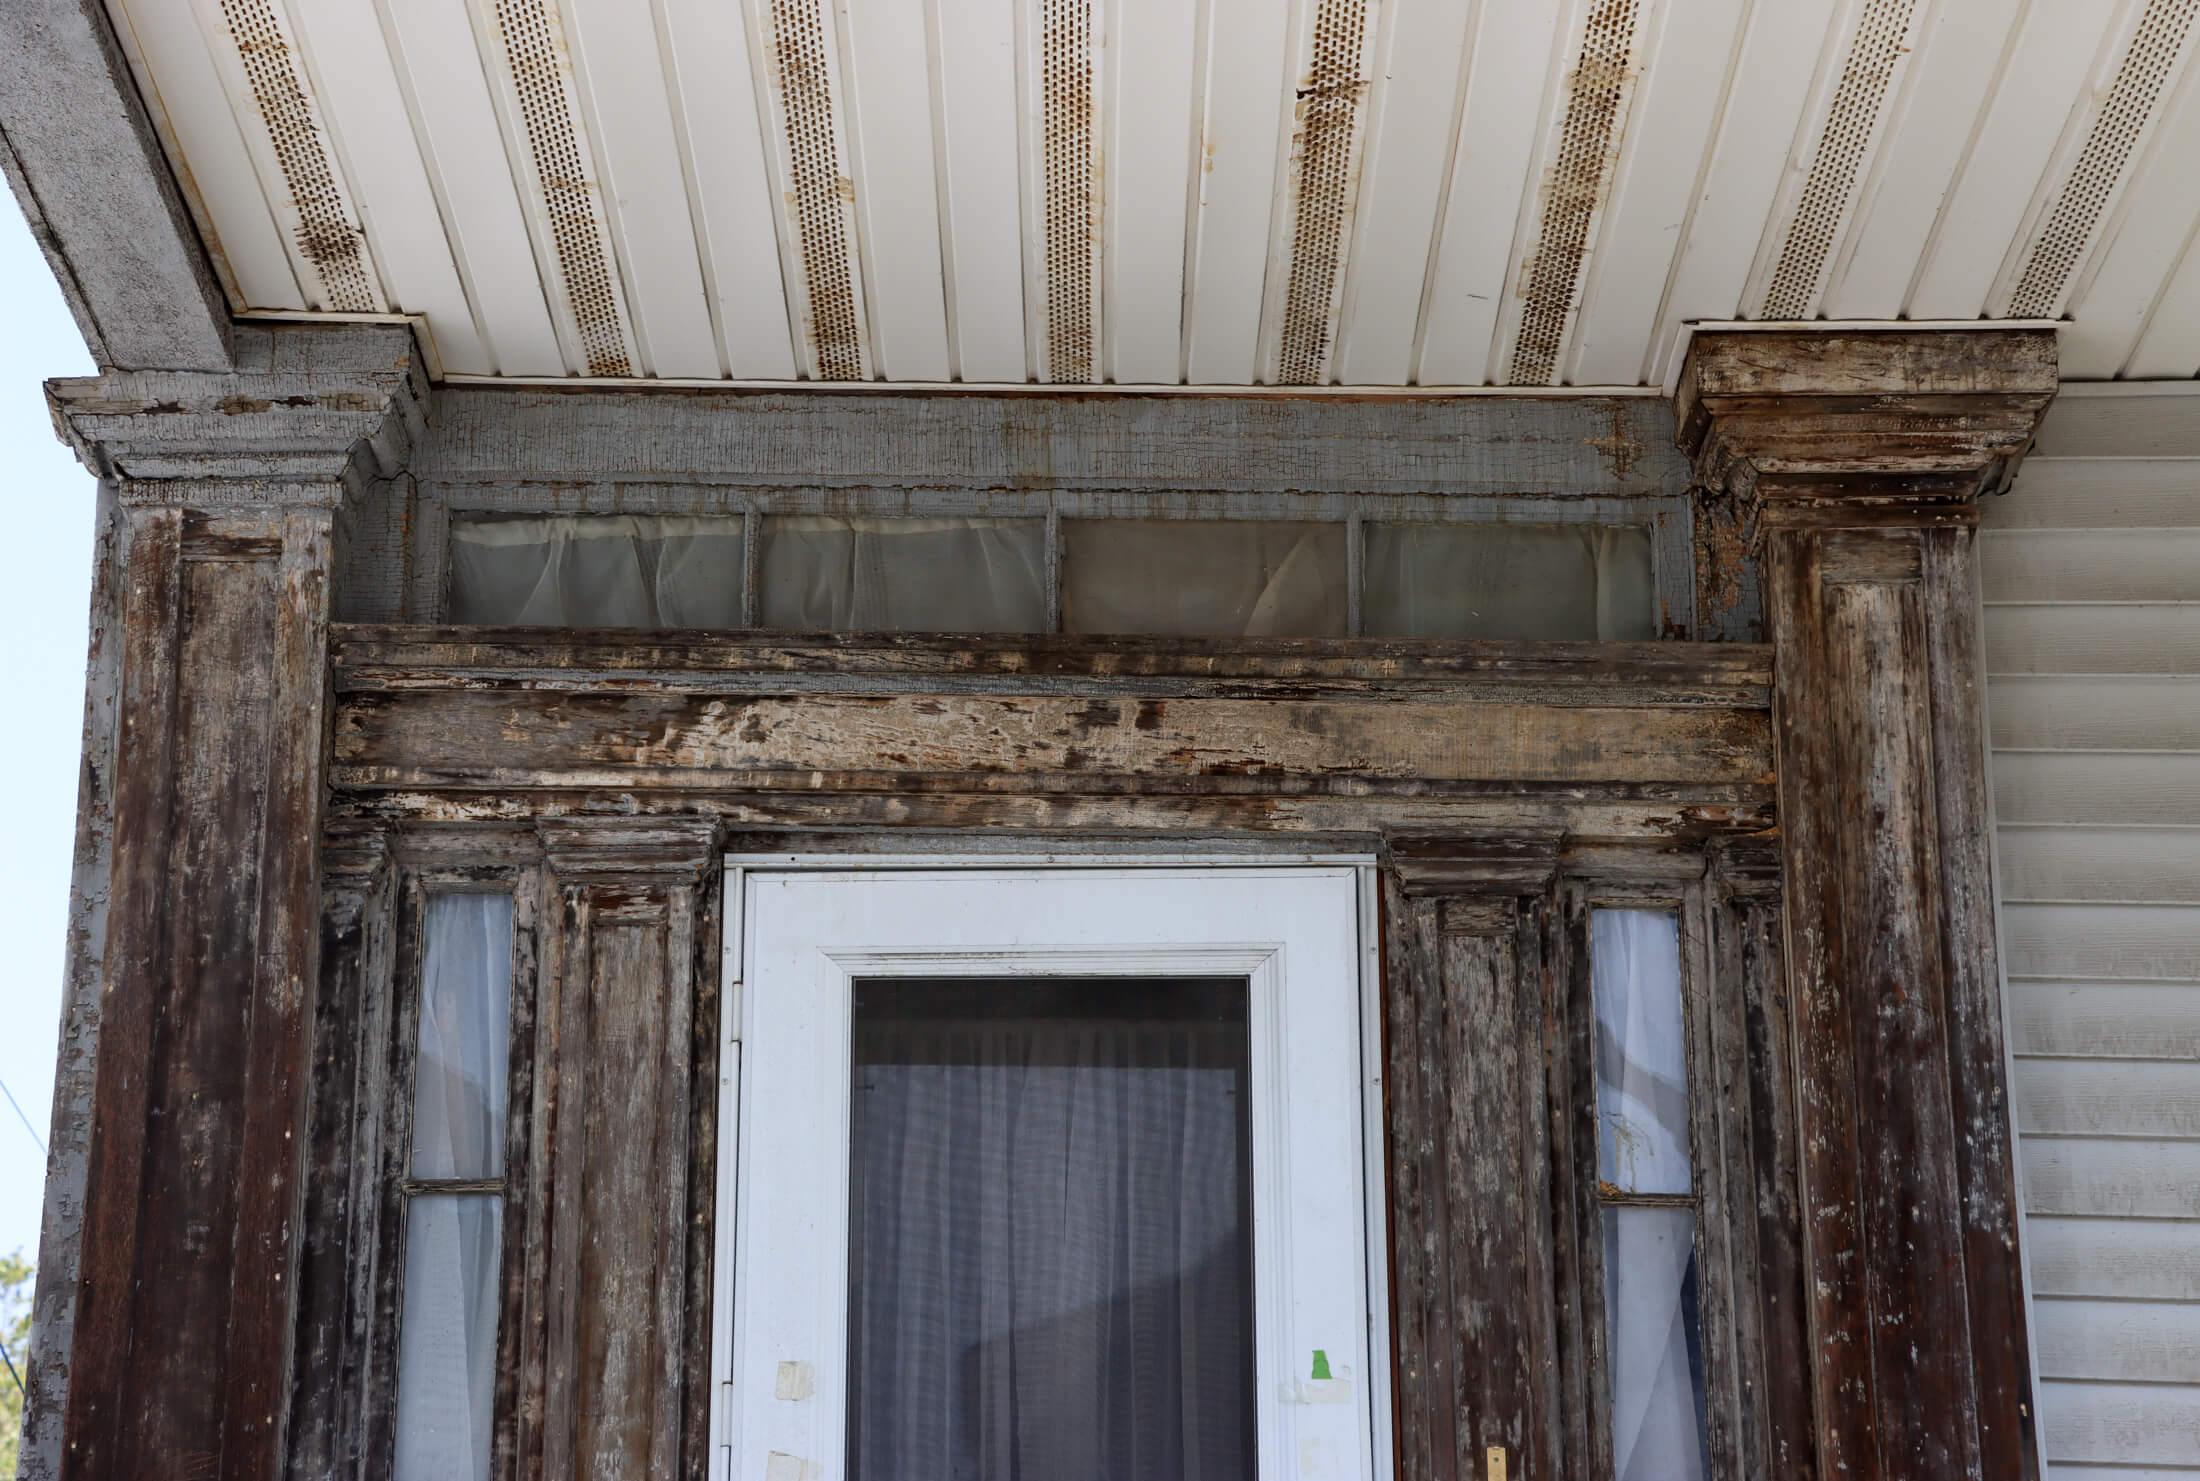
(2091, 575)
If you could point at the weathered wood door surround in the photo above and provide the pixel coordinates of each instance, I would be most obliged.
(225, 1306)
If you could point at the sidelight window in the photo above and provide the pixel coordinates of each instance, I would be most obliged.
(453, 1191)
(1646, 1199)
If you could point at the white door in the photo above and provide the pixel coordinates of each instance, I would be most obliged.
(1048, 1175)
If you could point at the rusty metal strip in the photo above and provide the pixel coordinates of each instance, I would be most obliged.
(1066, 81)
(813, 167)
(329, 236)
(578, 232)
(1329, 109)
(2148, 63)
(1579, 179)
(1880, 43)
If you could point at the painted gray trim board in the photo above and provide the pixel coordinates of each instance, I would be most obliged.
(88, 171)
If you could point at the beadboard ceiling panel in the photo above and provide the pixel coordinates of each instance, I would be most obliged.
(1362, 193)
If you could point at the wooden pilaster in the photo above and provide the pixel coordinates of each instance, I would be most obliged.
(229, 485)
(1857, 459)
(627, 1107)
(1472, 1243)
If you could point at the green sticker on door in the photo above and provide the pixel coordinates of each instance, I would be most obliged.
(1321, 1364)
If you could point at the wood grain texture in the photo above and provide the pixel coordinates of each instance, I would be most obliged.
(167, 1164)
(1472, 1282)
(1863, 452)
(633, 972)
(818, 743)
(1753, 1079)
(338, 1254)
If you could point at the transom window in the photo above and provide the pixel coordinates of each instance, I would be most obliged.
(1238, 577)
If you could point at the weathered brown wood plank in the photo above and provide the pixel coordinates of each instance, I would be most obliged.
(339, 1256)
(369, 656)
(285, 966)
(161, 1304)
(1862, 454)
(621, 1394)
(456, 738)
(1980, 1113)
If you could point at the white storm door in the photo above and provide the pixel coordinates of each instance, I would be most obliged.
(1050, 1173)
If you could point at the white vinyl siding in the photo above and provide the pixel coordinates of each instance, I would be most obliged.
(2091, 579)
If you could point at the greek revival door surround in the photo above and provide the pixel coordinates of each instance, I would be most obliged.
(1836, 776)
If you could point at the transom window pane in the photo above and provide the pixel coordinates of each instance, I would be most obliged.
(904, 575)
(1204, 578)
(1050, 1239)
(1508, 581)
(598, 571)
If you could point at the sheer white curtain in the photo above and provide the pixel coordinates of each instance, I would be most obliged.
(1051, 1272)
(1204, 578)
(1653, 1337)
(1585, 582)
(823, 573)
(446, 1362)
(617, 570)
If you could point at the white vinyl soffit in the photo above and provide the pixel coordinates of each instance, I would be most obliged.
(1199, 193)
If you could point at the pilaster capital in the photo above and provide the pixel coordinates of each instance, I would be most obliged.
(308, 414)
(1861, 417)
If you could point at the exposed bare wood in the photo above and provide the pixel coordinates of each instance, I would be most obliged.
(199, 1125)
(632, 976)
(429, 738)
(1865, 416)
(393, 657)
(337, 1261)
(1861, 452)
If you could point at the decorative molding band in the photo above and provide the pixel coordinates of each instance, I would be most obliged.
(1876, 52)
(1599, 91)
(1485, 863)
(1888, 418)
(310, 415)
(557, 163)
(2111, 143)
(596, 850)
(328, 239)
(1325, 185)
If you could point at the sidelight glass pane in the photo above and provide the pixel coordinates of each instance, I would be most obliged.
(1584, 582)
(1641, 1055)
(446, 1356)
(1051, 1263)
(465, 1028)
(1203, 578)
(904, 575)
(619, 570)
(1653, 1344)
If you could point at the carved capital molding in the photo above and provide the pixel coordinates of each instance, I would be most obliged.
(585, 850)
(309, 414)
(1493, 862)
(1904, 418)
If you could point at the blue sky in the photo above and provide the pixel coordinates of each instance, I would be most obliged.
(43, 606)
